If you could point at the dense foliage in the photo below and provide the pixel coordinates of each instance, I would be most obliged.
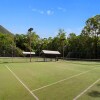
(85, 45)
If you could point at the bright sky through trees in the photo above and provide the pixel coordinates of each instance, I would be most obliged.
(47, 16)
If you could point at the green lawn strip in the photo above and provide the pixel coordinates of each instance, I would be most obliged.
(10, 88)
(76, 66)
(92, 94)
(67, 90)
(16, 59)
(83, 63)
(5, 60)
(36, 75)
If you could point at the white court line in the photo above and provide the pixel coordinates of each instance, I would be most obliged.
(22, 83)
(62, 80)
(64, 67)
(86, 90)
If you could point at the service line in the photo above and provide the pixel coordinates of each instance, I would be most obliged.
(22, 83)
(63, 80)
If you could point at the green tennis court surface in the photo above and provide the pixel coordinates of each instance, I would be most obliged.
(62, 80)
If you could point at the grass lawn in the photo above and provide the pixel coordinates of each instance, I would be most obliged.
(62, 80)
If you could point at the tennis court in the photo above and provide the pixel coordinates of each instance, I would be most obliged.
(62, 80)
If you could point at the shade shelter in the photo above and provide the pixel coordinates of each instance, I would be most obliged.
(50, 54)
(29, 54)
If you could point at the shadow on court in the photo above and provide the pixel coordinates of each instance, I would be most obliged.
(98, 85)
(94, 94)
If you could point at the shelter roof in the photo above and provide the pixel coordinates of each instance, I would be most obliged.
(50, 52)
(29, 53)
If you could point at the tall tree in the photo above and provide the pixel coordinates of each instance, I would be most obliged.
(6, 41)
(92, 29)
(62, 41)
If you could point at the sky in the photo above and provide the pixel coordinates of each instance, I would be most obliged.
(46, 17)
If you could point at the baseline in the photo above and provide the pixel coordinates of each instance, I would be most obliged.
(22, 83)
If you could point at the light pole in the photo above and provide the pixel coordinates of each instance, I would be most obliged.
(39, 48)
(63, 47)
(30, 30)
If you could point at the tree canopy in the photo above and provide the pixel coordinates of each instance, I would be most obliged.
(84, 45)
